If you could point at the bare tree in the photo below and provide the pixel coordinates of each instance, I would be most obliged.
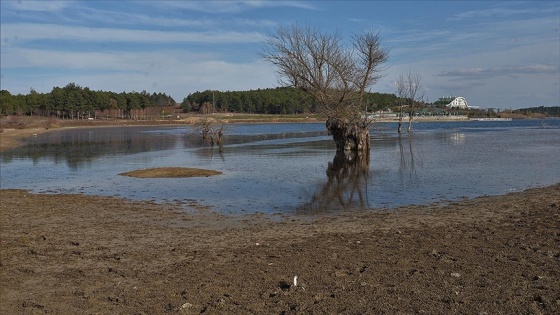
(408, 88)
(403, 97)
(334, 75)
(210, 131)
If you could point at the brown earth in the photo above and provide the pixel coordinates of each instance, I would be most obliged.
(77, 254)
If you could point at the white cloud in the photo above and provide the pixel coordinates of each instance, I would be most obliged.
(218, 7)
(176, 72)
(30, 32)
(43, 6)
(484, 73)
(499, 12)
(99, 61)
(127, 18)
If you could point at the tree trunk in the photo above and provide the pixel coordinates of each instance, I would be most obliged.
(349, 135)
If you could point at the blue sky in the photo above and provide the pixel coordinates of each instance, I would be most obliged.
(502, 54)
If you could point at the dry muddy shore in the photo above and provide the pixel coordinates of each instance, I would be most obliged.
(77, 254)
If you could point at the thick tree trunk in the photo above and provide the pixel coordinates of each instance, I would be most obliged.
(349, 135)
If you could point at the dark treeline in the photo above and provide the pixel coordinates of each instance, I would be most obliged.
(74, 101)
(282, 100)
(553, 111)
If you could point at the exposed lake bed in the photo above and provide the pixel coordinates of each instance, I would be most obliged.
(73, 253)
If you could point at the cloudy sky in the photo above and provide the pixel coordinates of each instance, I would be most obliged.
(494, 53)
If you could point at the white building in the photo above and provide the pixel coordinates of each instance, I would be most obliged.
(458, 102)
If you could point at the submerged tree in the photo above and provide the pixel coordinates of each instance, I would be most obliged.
(334, 75)
(210, 131)
(408, 88)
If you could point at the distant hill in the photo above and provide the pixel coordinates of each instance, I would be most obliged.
(552, 111)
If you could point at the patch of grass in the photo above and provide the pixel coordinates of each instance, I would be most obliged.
(170, 172)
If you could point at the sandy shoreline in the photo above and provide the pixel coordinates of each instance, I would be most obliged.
(71, 254)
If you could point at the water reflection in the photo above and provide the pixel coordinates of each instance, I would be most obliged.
(210, 151)
(407, 164)
(457, 138)
(346, 186)
(253, 143)
(80, 147)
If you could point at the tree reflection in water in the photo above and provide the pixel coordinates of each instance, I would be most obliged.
(348, 179)
(346, 186)
(407, 165)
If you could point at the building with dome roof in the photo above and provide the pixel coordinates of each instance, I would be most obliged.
(456, 102)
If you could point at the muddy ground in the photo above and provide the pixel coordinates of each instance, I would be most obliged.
(76, 254)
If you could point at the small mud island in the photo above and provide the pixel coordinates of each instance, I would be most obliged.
(171, 172)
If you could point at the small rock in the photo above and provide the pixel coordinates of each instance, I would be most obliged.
(455, 274)
(340, 273)
(318, 297)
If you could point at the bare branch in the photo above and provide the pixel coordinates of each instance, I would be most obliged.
(319, 64)
(334, 75)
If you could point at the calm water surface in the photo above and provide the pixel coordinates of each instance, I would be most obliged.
(292, 168)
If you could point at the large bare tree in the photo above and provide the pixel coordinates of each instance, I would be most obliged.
(334, 74)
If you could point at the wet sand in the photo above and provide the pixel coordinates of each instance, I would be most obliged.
(77, 254)
(11, 138)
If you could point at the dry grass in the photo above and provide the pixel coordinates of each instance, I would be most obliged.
(171, 172)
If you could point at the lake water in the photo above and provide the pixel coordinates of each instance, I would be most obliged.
(292, 168)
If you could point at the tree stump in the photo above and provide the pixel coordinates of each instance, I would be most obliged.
(349, 135)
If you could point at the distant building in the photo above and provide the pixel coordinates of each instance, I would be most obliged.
(456, 102)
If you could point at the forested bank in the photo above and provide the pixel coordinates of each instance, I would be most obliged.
(76, 102)
(542, 110)
(282, 100)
